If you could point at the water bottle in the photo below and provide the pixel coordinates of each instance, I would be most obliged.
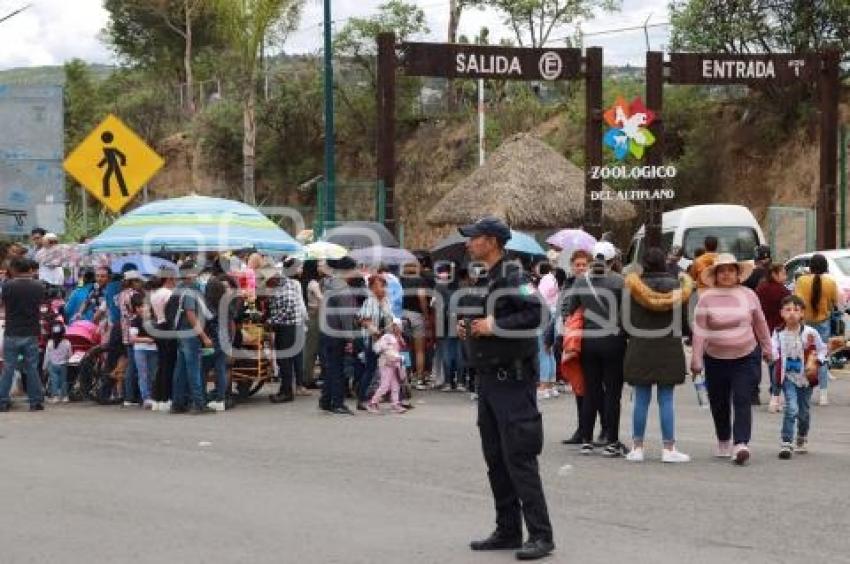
(702, 393)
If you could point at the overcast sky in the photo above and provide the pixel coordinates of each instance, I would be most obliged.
(52, 31)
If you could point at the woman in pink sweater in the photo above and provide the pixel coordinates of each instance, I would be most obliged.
(730, 336)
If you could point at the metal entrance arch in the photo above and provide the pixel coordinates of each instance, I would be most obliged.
(465, 61)
(751, 69)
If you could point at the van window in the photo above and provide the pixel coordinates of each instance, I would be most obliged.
(667, 241)
(740, 241)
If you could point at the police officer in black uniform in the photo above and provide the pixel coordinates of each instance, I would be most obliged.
(501, 347)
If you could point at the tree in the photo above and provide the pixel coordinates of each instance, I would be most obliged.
(189, 10)
(533, 21)
(152, 33)
(245, 26)
(356, 47)
(764, 26)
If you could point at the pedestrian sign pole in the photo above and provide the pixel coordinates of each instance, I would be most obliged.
(113, 163)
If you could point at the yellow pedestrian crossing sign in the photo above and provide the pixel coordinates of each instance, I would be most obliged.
(113, 163)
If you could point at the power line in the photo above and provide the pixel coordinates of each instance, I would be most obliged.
(616, 30)
(14, 13)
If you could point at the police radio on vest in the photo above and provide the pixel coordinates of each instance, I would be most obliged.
(487, 64)
(738, 69)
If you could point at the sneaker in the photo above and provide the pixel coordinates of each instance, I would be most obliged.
(473, 397)
(421, 386)
(37, 407)
(460, 388)
(65, 399)
(399, 409)
(586, 449)
(615, 450)
(543, 394)
(724, 450)
(785, 451)
(148, 404)
(165, 406)
(446, 388)
(673, 456)
(220, 406)
(740, 455)
(554, 392)
(130, 404)
(773, 406)
(53, 401)
(636, 455)
(373, 408)
(802, 445)
(823, 399)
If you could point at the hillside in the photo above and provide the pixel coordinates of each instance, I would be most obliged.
(47, 75)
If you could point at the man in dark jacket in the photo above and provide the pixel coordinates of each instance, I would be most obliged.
(501, 342)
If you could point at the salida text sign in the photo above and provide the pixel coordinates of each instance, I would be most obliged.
(488, 61)
(785, 68)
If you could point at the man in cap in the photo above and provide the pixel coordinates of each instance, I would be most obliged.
(188, 388)
(501, 345)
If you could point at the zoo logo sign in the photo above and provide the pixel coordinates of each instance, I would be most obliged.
(628, 131)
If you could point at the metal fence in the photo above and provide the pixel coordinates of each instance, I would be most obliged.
(790, 231)
(354, 201)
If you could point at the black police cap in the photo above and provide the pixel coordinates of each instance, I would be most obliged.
(490, 226)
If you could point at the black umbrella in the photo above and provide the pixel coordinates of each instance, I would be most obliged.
(450, 249)
(361, 234)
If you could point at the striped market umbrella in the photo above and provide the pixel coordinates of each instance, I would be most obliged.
(194, 224)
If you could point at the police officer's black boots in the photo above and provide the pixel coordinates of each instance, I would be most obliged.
(534, 550)
(498, 540)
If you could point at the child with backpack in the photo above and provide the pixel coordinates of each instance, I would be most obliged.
(56, 357)
(799, 352)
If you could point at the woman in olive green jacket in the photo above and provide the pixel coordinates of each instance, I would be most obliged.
(655, 320)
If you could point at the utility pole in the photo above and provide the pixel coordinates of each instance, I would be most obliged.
(330, 136)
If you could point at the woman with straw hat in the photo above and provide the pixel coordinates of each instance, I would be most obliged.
(730, 335)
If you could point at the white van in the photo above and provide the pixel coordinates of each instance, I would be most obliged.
(736, 229)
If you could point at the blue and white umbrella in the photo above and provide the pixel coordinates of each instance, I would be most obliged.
(194, 224)
(144, 264)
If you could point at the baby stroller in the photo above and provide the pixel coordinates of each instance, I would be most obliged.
(87, 372)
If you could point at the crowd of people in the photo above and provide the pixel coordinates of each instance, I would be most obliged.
(383, 332)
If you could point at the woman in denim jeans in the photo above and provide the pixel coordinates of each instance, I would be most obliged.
(656, 321)
(819, 292)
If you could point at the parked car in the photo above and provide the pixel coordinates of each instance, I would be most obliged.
(735, 227)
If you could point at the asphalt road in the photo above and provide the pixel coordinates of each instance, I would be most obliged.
(287, 483)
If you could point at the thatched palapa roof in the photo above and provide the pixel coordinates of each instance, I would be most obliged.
(529, 185)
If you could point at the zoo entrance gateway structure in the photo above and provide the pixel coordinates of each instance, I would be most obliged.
(467, 61)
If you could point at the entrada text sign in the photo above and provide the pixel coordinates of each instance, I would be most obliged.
(486, 61)
(689, 68)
